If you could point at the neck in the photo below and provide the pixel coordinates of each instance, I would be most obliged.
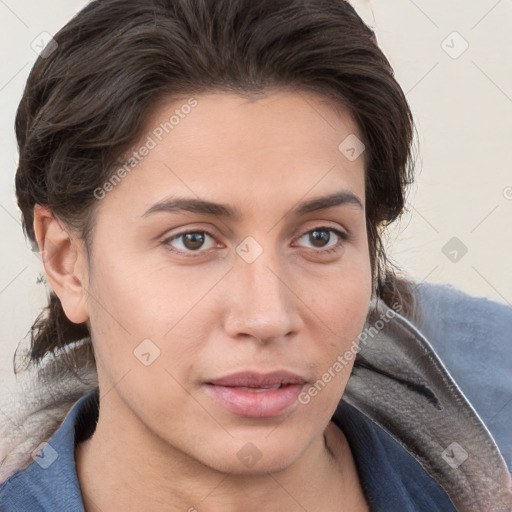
(118, 473)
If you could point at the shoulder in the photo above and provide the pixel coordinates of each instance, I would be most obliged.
(473, 337)
(34, 488)
(460, 309)
(50, 482)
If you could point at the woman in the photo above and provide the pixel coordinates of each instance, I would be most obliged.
(208, 183)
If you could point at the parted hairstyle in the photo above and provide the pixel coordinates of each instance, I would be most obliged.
(86, 102)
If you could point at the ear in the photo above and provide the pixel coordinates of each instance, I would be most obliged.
(64, 262)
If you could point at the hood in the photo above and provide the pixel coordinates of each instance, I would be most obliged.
(399, 383)
(43, 397)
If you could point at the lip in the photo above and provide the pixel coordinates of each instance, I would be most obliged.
(256, 395)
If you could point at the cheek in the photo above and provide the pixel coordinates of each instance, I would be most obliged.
(145, 319)
(341, 306)
(343, 310)
(127, 297)
(343, 297)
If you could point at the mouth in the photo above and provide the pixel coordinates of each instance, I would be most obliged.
(256, 395)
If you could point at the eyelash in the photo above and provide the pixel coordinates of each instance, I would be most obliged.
(342, 235)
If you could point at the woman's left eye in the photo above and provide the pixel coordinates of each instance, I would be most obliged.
(190, 242)
(321, 236)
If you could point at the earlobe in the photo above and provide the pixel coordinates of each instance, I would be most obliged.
(64, 263)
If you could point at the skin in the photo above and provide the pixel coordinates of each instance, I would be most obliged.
(162, 443)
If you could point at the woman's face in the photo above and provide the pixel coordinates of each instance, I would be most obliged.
(208, 343)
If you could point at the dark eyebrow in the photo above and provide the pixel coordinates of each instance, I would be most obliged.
(194, 206)
(222, 210)
(321, 203)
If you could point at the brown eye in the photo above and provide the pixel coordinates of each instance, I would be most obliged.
(320, 237)
(189, 241)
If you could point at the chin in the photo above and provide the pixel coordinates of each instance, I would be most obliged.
(275, 464)
(256, 457)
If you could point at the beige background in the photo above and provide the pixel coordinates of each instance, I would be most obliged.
(462, 102)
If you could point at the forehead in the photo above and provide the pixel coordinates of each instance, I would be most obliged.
(252, 122)
(280, 146)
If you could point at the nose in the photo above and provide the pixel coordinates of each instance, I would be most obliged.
(261, 302)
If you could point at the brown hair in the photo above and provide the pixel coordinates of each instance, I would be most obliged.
(85, 104)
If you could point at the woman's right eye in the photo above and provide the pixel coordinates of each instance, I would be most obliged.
(189, 242)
